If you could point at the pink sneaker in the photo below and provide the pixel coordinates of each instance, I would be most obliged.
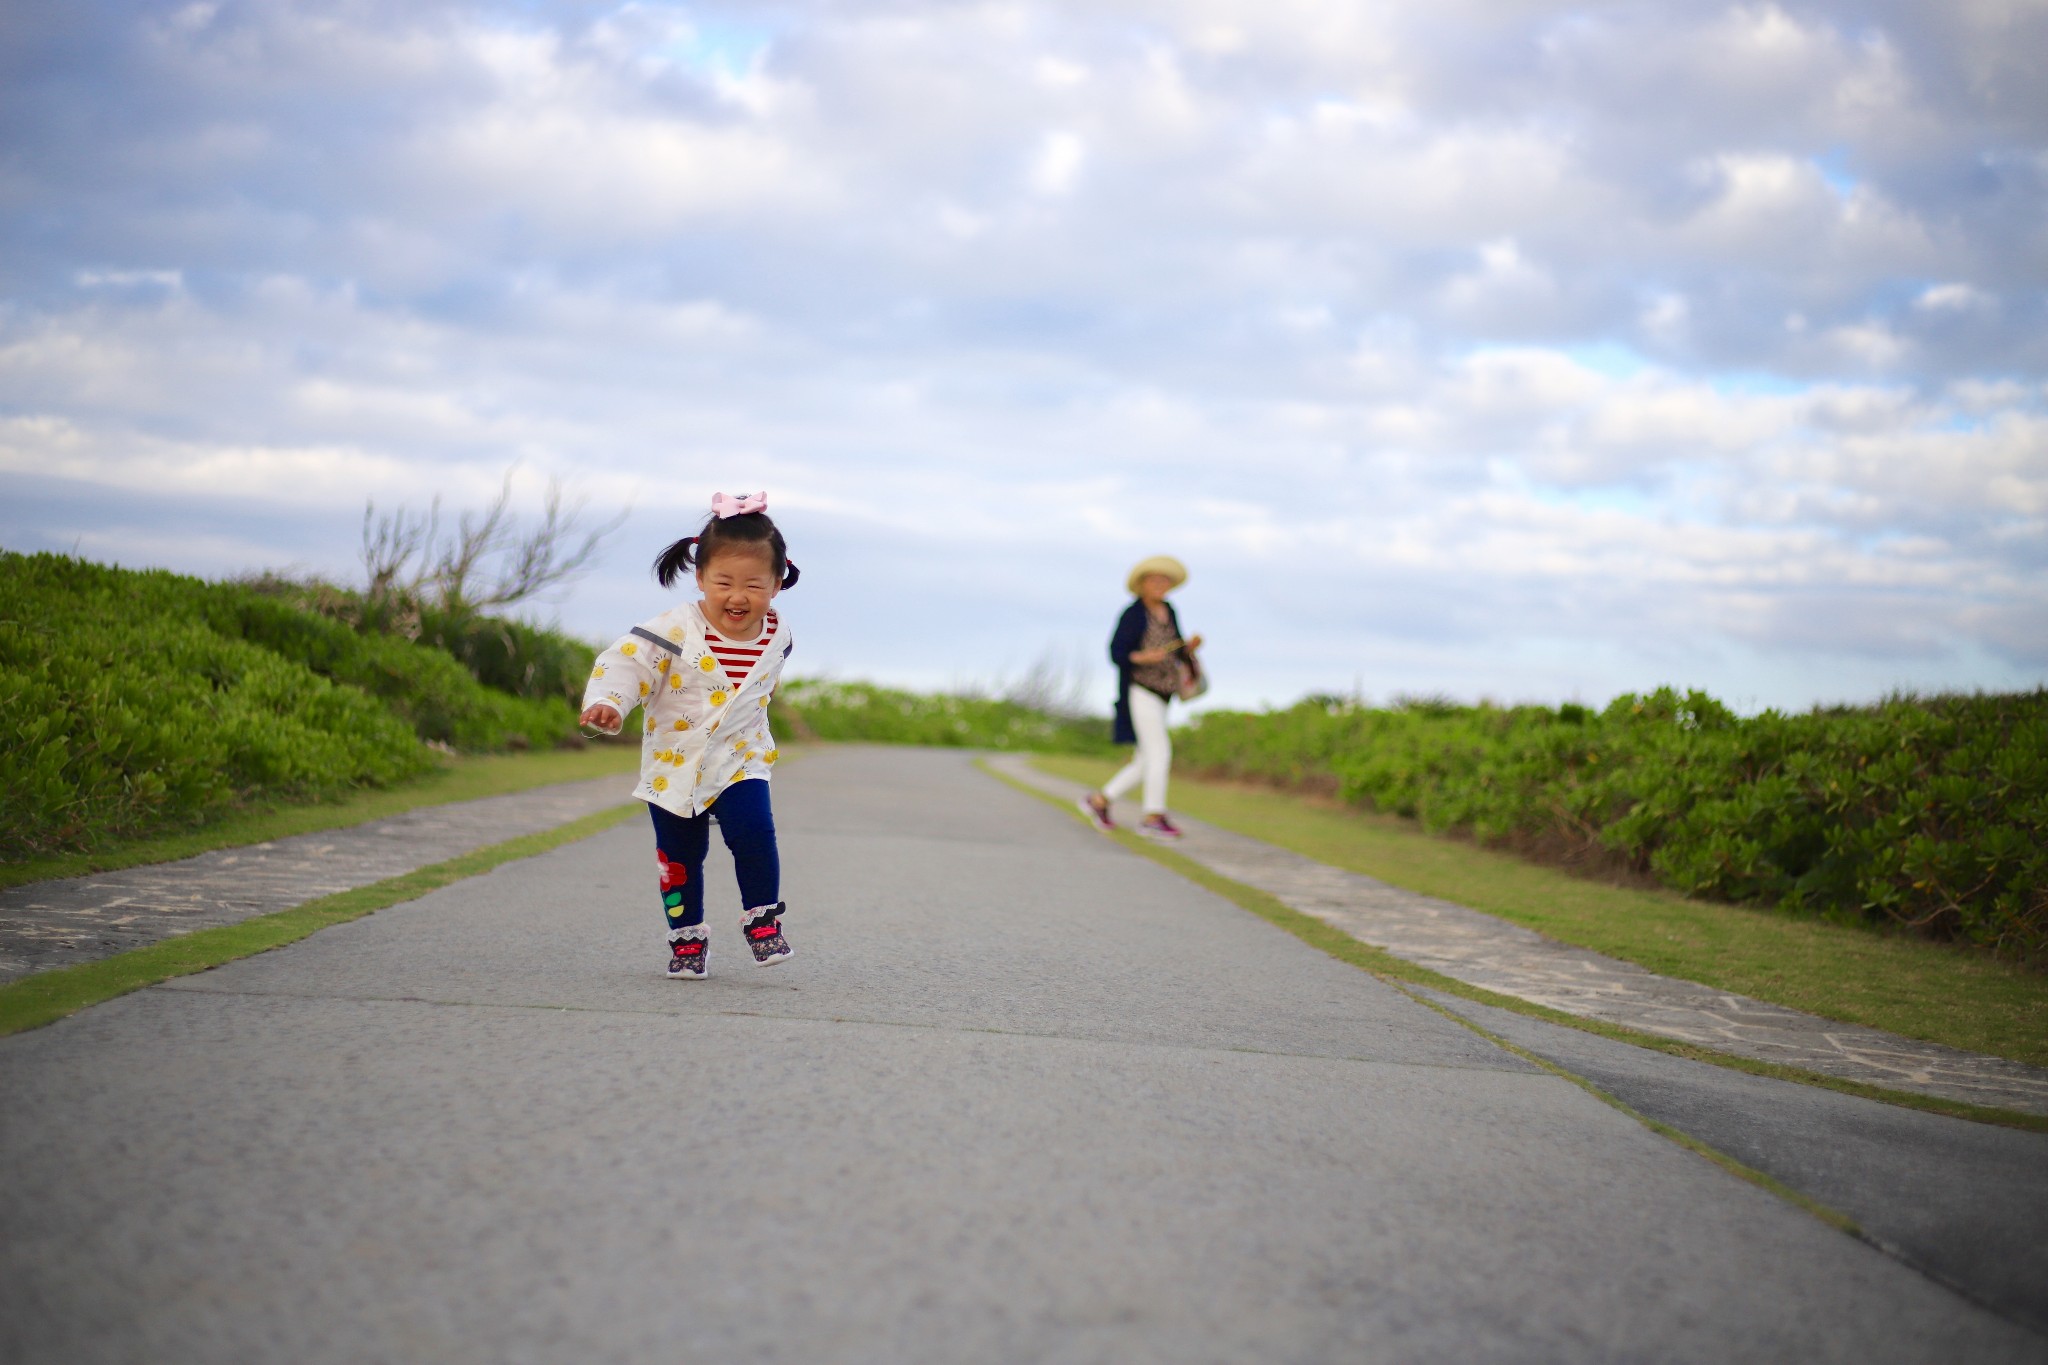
(762, 930)
(1159, 827)
(1096, 807)
(686, 954)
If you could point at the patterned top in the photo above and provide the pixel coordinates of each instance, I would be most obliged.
(704, 729)
(1162, 679)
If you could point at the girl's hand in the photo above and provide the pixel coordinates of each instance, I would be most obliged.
(1194, 643)
(605, 718)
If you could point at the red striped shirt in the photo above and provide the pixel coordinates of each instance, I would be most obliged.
(738, 659)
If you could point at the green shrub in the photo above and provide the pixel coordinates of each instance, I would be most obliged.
(882, 715)
(511, 656)
(130, 700)
(436, 695)
(1930, 814)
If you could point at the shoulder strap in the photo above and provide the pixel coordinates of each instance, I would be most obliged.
(659, 642)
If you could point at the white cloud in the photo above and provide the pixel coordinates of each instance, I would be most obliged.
(1869, 343)
(1505, 285)
(162, 279)
(1057, 164)
(1664, 317)
(1055, 72)
(145, 464)
(593, 172)
(1957, 298)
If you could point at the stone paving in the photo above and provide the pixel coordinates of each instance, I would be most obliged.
(78, 919)
(1484, 951)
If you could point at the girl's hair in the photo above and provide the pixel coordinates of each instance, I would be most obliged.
(749, 531)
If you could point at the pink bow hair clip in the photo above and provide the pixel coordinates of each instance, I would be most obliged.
(724, 507)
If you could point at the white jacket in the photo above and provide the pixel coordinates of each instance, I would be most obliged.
(703, 730)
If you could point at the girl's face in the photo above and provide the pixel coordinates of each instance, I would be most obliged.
(1153, 588)
(738, 585)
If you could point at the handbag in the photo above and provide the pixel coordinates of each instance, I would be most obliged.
(1194, 679)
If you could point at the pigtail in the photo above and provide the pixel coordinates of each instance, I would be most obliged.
(675, 561)
(727, 529)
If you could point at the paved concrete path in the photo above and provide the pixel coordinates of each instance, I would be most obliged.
(1964, 1202)
(1021, 1097)
(1483, 950)
(77, 919)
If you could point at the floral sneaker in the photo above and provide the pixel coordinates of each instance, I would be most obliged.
(1159, 827)
(1096, 807)
(762, 929)
(686, 954)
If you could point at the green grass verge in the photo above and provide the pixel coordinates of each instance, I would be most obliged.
(1957, 996)
(1396, 972)
(461, 779)
(50, 996)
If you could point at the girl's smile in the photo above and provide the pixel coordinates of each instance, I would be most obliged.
(738, 586)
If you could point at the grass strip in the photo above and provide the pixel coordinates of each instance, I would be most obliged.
(1393, 970)
(49, 996)
(463, 779)
(1943, 993)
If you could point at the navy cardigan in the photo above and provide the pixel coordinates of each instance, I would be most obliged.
(1130, 637)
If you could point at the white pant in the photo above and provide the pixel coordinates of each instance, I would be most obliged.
(1155, 752)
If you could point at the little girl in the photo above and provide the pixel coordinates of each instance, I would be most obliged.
(703, 674)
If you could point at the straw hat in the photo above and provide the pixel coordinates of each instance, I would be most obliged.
(1159, 564)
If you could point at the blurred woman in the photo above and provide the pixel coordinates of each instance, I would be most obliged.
(1154, 665)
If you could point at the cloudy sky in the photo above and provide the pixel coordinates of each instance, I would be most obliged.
(1488, 347)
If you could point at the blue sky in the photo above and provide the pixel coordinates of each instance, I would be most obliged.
(1531, 351)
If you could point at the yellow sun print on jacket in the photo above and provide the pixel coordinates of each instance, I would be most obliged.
(628, 648)
(770, 757)
(682, 724)
(643, 688)
(675, 682)
(719, 696)
(658, 782)
(597, 672)
(707, 664)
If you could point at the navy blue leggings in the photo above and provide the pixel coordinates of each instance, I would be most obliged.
(680, 843)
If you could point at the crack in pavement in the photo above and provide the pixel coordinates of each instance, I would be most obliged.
(329, 998)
